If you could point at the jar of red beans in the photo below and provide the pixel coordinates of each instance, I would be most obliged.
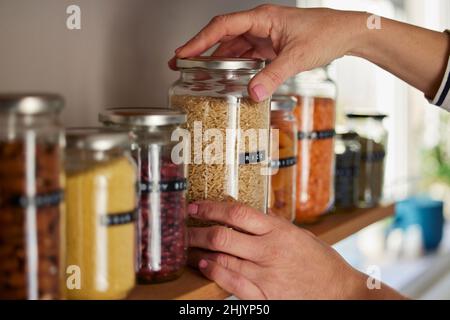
(161, 230)
(315, 113)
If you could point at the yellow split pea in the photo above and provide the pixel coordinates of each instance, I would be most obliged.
(104, 253)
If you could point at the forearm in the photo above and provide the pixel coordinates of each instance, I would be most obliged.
(416, 55)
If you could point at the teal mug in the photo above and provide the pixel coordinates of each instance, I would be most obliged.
(424, 212)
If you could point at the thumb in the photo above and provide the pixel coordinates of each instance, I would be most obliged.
(266, 82)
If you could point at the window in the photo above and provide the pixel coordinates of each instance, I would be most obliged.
(369, 87)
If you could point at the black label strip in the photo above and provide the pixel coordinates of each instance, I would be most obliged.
(51, 199)
(283, 163)
(316, 135)
(163, 186)
(252, 158)
(117, 219)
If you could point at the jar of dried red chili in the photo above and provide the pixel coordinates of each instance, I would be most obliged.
(283, 156)
(161, 240)
(315, 113)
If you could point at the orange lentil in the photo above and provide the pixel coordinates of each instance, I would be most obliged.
(315, 160)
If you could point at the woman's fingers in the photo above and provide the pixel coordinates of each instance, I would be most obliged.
(254, 54)
(219, 27)
(247, 47)
(233, 214)
(247, 268)
(255, 22)
(226, 240)
(264, 84)
(230, 281)
(233, 48)
(173, 63)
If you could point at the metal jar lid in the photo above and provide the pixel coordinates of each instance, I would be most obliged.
(219, 63)
(283, 102)
(96, 139)
(144, 117)
(31, 104)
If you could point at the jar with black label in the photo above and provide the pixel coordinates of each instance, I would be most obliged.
(373, 140)
(348, 155)
(315, 114)
(161, 254)
(229, 131)
(101, 204)
(31, 193)
(283, 157)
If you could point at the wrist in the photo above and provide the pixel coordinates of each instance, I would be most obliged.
(363, 26)
(354, 286)
(360, 288)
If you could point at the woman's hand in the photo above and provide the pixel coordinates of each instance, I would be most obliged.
(294, 39)
(266, 257)
(298, 40)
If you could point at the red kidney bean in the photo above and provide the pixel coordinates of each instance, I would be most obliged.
(164, 259)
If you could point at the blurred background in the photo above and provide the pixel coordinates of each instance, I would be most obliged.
(418, 162)
(119, 56)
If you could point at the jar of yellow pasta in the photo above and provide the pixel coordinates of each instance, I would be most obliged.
(100, 204)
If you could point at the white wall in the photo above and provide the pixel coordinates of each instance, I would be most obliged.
(117, 58)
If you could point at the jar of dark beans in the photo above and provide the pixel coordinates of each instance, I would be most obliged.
(31, 185)
(162, 208)
(348, 153)
(373, 138)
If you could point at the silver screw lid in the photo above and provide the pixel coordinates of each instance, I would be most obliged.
(219, 63)
(144, 117)
(96, 139)
(283, 102)
(31, 103)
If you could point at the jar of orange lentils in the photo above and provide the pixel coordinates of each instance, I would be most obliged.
(315, 115)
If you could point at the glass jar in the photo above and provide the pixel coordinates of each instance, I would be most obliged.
(283, 159)
(348, 155)
(315, 113)
(100, 209)
(162, 244)
(31, 186)
(229, 131)
(373, 140)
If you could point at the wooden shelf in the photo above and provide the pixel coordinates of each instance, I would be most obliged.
(337, 226)
(331, 228)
